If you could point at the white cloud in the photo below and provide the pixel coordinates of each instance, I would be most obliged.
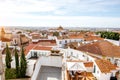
(16, 12)
(28, 20)
(23, 6)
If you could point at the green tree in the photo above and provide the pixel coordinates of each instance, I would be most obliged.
(56, 34)
(109, 35)
(23, 64)
(8, 57)
(17, 63)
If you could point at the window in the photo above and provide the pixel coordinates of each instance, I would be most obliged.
(65, 41)
(94, 69)
(31, 53)
(60, 42)
(70, 40)
(35, 54)
(111, 74)
(98, 72)
(108, 59)
(71, 53)
(116, 61)
(75, 41)
(83, 55)
(87, 59)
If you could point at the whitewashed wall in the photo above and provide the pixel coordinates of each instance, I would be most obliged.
(55, 61)
(39, 53)
(64, 41)
(30, 67)
(36, 71)
(105, 76)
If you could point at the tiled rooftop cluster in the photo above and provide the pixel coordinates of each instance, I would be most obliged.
(103, 47)
(81, 52)
(105, 66)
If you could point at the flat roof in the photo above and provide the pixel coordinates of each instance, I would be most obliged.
(49, 73)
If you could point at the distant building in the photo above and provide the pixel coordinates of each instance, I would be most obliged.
(59, 29)
(5, 38)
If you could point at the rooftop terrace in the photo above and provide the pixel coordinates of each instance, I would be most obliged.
(49, 73)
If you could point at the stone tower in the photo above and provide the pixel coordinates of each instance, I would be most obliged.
(2, 33)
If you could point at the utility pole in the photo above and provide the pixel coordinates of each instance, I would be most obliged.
(2, 76)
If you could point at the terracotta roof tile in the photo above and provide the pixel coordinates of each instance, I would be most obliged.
(5, 40)
(86, 36)
(35, 36)
(73, 45)
(46, 42)
(76, 36)
(91, 38)
(105, 66)
(7, 37)
(29, 47)
(87, 74)
(88, 64)
(24, 38)
(38, 47)
(103, 48)
(72, 36)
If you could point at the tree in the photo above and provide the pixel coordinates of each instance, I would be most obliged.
(56, 34)
(109, 35)
(8, 57)
(17, 63)
(23, 64)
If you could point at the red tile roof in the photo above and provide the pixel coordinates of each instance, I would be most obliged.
(29, 47)
(73, 36)
(103, 48)
(76, 36)
(91, 38)
(88, 64)
(105, 66)
(38, 47)
(47, 42)
(7, 37)
(82, 35)
(51, 41)
(24, 39)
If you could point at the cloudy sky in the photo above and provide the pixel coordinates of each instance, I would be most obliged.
(82, 13)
